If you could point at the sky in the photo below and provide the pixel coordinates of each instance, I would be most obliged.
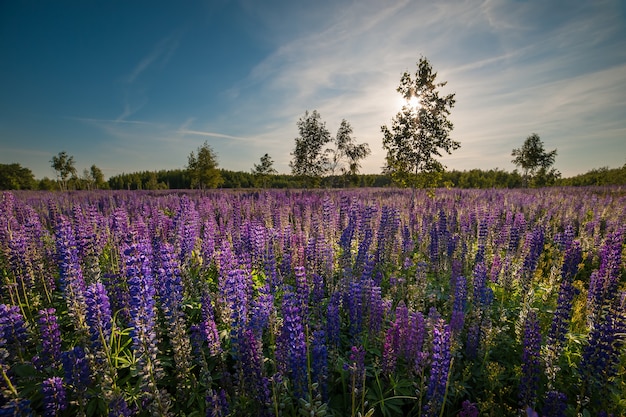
(138, 85)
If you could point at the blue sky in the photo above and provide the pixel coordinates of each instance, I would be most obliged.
(137, 85)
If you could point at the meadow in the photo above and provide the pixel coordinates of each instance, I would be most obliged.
(365, 302)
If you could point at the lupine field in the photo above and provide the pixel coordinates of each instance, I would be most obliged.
(377, 302)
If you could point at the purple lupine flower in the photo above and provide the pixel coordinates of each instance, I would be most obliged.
(17, 408)
(600, 359)
(496, 267)
(187, 224)
(535, 243)
(333, 320)
(262, 308)
(440, 367)
(170, 287)
(567, 291)
(303, 291)
(390, 353)
(217, 403)
(354, 302)
(375, 307)
(54, 396)
(50, 340)
(319, 362)
(362, 256)
(209, 233)
(531, 365)
(291, 344)
(77, 372)
(70, 276)
(433, 247)
(357, 369)
(118, 407)
(142, 316)
(555, 404)
(515, 231)
(250, 361)
(457, 319)
(604, 282)
(468, 409)
(482, 293)
(13, 331)
(207, 327)
(235, 289)
(99, 317)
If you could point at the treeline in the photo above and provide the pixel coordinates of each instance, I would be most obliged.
(598, 176)
(16, 177)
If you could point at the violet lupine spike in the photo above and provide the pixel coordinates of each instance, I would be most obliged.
(457, 319)
(555, 404)
(54, 396)
(252, 379)
(142, 315)
(353, 300)
(70, 273)
(76, 370)
(235, 291)
(439, 370)
(291, 344)
(468, 409)
(333, 320)
(531, 361)
(483, 294)
(601, 355)
(99, 316)
(262, 308)
(207, 326)
(357, 369)
(13, 332)
(50, 355)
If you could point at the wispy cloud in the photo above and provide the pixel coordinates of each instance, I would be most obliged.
(530, 75)
(161, 53)
(211, 134)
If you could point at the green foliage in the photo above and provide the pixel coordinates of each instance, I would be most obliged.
(535, 162)
(309, 158)
(202, 168)
(598, 177)
(63, 164)
(264, 169)
(419, 133)
(16, 177)
(347, 154)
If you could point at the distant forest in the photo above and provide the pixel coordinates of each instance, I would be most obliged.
(15, 177)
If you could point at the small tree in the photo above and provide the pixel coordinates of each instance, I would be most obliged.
(347, 154)
(264, 169)
(419, 132)
(202, 168)
(63, 164)
(309, 156)
(97, 177)
(535, 162)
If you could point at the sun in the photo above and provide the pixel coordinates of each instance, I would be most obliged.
(411, 102)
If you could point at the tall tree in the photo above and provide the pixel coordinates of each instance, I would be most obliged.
(63, 164)
(535, 162)
(347, 154)
(15, 177)
(264, 169)
(309, 156)
(97, 177)
(419, 132)
(202, 168)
